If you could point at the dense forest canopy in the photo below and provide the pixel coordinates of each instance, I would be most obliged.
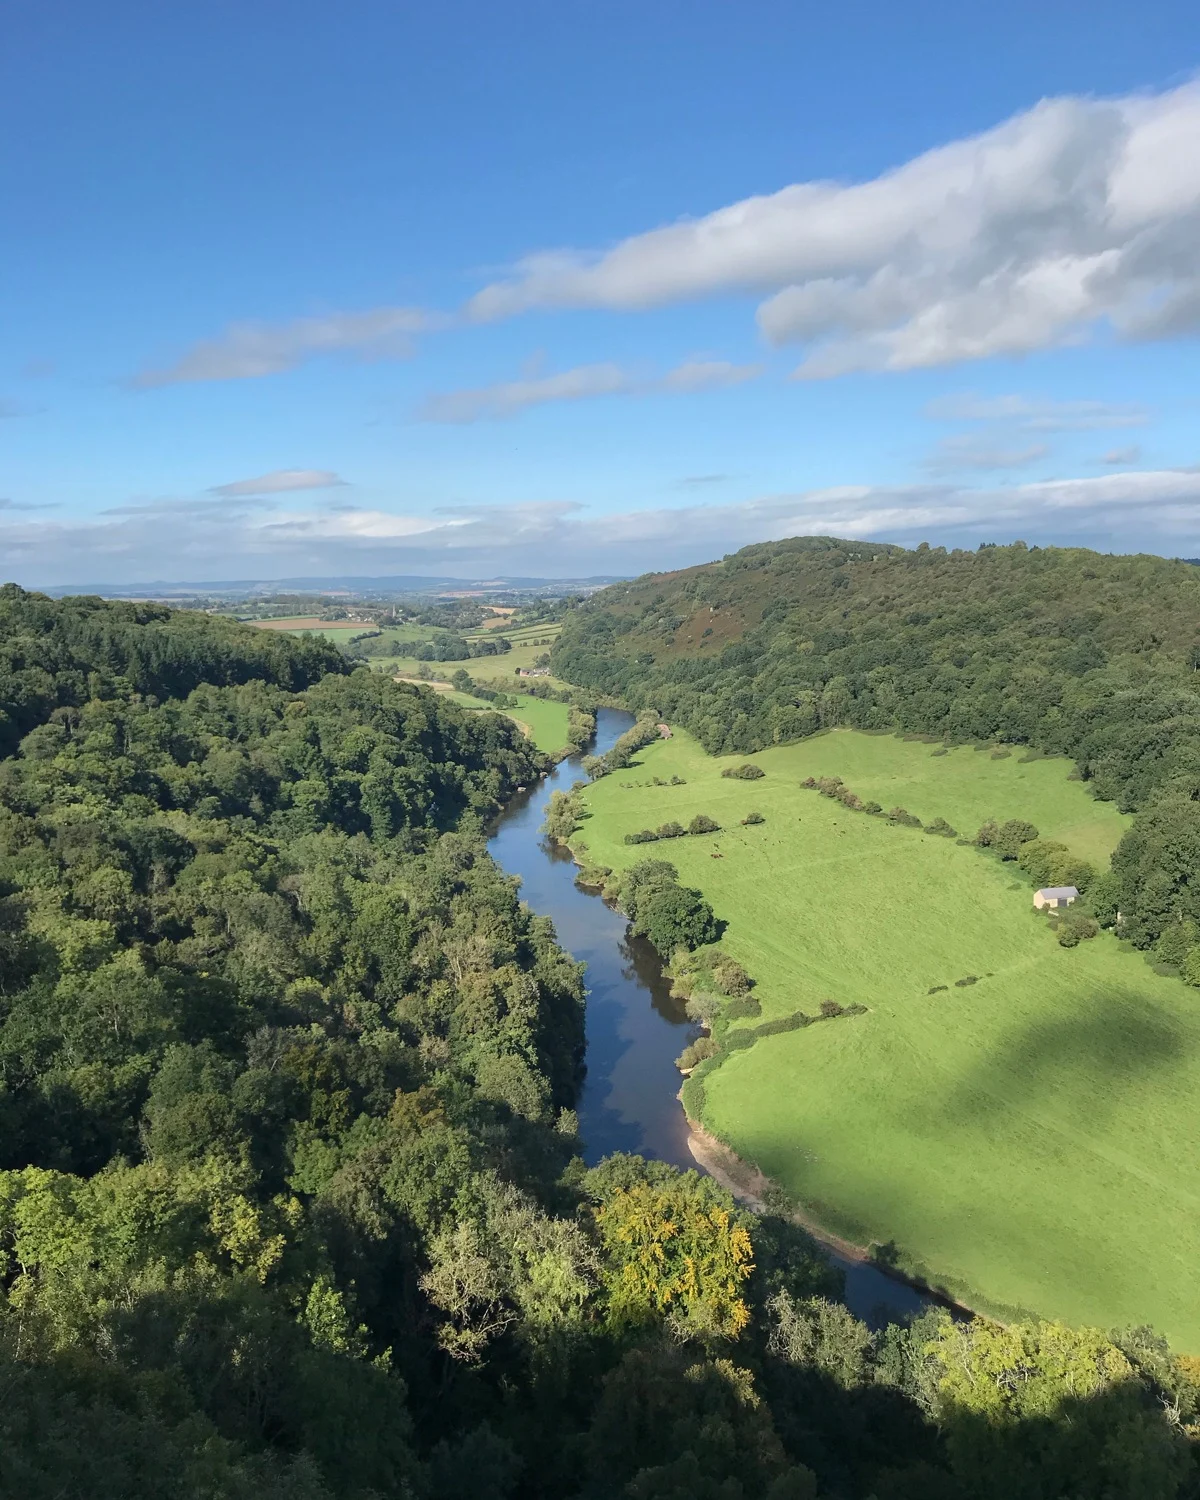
(58, 653)
(291, 1200)
(1072, 652)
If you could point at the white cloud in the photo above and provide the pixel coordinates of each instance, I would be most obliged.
(1037, 414)
(220, 537)
(974, 451)
(1077, 213)
(246, 351)
(1130, 455)
(708, 375)
(509, 397)
(280, 481)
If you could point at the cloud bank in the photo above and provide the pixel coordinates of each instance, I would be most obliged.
(230, 536)
(1076, 214)
(510, 397)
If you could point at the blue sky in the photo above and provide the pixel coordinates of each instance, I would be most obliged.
(291, 288)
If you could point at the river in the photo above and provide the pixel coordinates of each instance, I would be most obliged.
(635, 1030)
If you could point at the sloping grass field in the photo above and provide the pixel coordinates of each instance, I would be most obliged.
(545, 722)
(1028, 1141)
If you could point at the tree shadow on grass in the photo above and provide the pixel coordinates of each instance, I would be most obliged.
(1093, 1059)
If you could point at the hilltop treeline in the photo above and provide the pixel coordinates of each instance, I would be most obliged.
(291, 1202)
(58, 653)
(1069, 651)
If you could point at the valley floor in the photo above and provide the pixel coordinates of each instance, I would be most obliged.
(1027, 1141)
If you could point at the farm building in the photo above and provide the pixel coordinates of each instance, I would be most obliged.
(1054, 897)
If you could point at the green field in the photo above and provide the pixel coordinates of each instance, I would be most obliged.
(523, 654)
(1028, 1141)
(545, 722)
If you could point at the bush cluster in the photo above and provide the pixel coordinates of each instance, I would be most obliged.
(747, 772)
(701, 823)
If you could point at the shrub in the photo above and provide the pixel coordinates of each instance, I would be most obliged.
(730, 978)
(1012, 835)
(753, 817)
(678, 781)
(794, 1022)
(747, 1006)
(872, 807)
(936, 989)
(671, 830)
(1176, 941)
(831, 1008)
(744, 773)
(1191, 967)
(966, 980)
(849, 799)
(942, 828)
(735, 1041)
(644, 836)
(1076, 927)
(702, 823)
(902, 816)
(696, 1052)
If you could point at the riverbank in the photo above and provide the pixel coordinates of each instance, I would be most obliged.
(752, 1188)
(635, 1026)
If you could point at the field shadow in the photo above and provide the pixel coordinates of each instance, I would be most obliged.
(1094, 1058)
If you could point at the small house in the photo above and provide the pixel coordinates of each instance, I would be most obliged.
(1054, 897)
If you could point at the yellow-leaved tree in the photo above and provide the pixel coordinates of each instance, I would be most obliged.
(669, 1251)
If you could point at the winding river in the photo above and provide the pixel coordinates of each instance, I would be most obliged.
(635, 1030)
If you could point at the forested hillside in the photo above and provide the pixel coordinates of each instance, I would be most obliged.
(290, 1195)
(1071, 652)
(58, 653)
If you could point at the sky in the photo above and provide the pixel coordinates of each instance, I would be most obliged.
(565, 289)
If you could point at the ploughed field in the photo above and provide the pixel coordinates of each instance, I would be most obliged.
(1026, 1141)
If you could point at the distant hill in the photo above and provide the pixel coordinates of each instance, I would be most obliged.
(387, 586)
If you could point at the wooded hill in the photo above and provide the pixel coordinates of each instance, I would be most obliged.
(1068, 651)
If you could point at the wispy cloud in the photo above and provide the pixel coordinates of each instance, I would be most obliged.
(279, 482)
(972, 451)
(246, 351)
(509, 397)
(1130, 455)
(220, 537)
(1038, 414)
(708, 375)
(1072, 216)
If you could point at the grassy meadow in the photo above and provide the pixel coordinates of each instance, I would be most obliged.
(1028, 1140)
(544, 722)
